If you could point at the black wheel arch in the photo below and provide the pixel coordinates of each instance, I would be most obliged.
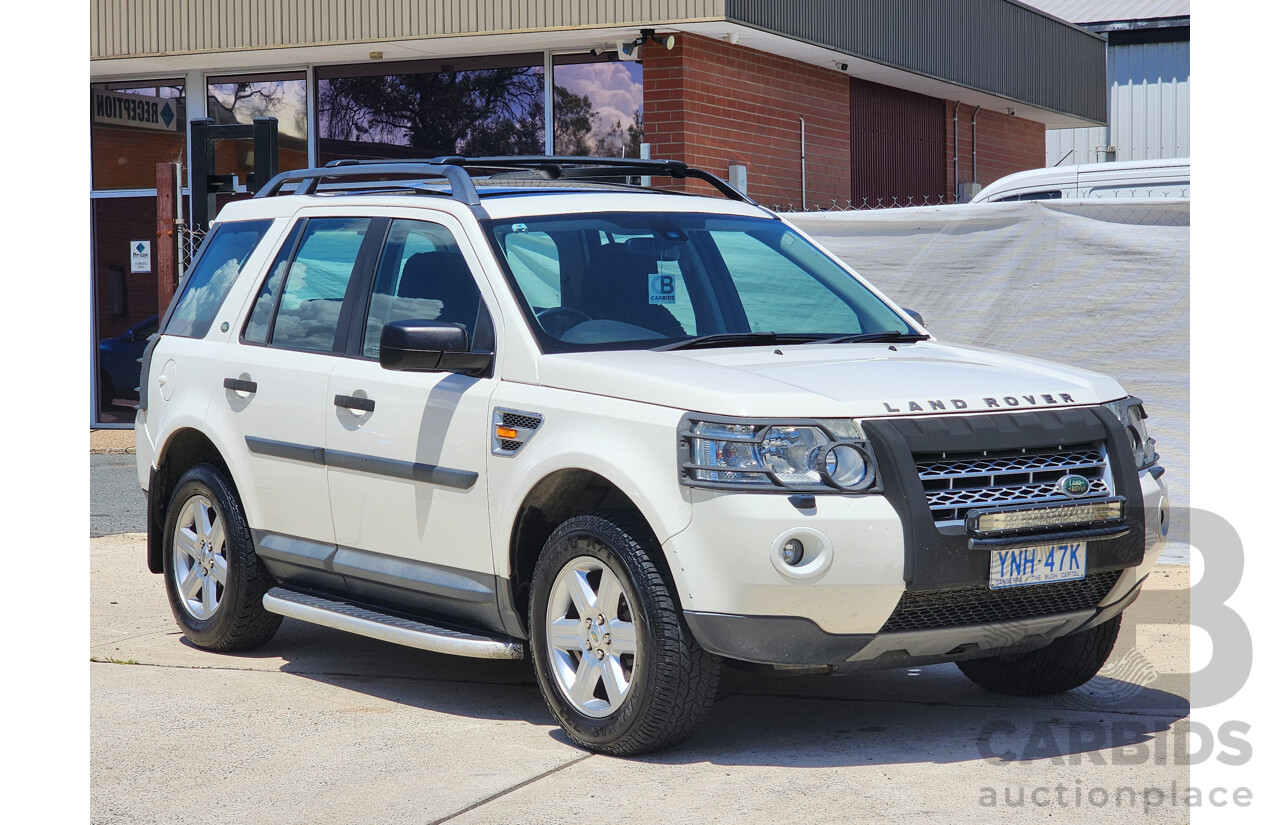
(554, 499)
(184, 449)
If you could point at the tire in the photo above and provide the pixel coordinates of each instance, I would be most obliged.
(621, 687)
(214, 579)
(1067, 663)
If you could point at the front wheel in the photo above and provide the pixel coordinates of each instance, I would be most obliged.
(214, 579)
(617, 666)
(1066, 663)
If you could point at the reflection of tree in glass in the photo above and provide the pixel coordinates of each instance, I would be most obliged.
(623, 143)
(483, 112)
(572, 123)
(242, 102)
(580, 130)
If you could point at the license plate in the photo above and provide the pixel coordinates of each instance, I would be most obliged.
(1037, 565)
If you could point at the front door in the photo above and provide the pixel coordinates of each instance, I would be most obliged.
(406, 451)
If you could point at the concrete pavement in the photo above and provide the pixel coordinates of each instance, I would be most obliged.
(323, 727)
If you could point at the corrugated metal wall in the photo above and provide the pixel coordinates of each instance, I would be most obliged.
(898, 145)
(132, 28)
(1149, 92)
(993, 45)
(1151, 100)
(1067, 147)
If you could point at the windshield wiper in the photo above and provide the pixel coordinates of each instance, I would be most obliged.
(737, 339)
(865, 337)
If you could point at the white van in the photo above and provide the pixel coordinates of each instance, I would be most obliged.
(1168, 178)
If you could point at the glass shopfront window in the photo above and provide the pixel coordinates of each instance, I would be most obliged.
(126, 300)
(134, 126)
(240, 99)
(491, 105)
(475, 106)
(598, 106)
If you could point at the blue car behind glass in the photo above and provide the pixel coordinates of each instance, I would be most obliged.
(118, 366)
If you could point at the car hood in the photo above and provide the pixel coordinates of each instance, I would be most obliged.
(828, 380)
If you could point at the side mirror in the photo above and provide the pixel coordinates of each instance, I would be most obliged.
(430, 346)
(917, 317)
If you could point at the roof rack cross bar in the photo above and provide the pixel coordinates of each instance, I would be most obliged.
(562, 166)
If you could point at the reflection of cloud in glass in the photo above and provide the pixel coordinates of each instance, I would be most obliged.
(615, 89)
(201, 301)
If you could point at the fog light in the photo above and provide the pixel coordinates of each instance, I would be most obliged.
(801, 553)
(793, 552)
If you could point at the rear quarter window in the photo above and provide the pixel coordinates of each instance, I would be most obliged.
(220, 262)
(1042, 195)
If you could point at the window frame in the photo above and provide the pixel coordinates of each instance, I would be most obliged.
(181, 289)
(354, 315)
(724, 306)
(355, 341)
(355, 297)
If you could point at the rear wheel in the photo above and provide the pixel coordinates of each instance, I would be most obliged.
(617, 666)
(1067, 663)
(214, 579)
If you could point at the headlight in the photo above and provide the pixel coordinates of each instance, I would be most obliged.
(1131, 415)
(817, 456)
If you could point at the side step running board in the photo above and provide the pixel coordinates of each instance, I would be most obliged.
(365, 622)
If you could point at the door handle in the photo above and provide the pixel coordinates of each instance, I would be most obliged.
(352, 402)
(240, 385)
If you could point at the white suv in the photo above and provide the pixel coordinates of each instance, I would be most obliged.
(517, 406)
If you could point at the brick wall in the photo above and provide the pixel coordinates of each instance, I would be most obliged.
(1006, 144)
(126, 158)
(712, 104)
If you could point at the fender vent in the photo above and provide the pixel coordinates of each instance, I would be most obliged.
(512, 429)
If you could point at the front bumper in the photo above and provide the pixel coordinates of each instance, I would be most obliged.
(792, 641)
(891, 587)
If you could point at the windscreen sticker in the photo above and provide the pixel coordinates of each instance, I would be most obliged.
(662, 289)
(662, 284)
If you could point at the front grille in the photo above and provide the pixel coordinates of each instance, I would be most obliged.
(956, 606)
(954, 482)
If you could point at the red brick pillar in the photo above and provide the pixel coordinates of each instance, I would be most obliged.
(712, 104)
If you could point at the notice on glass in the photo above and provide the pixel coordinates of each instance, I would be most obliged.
(139, 256)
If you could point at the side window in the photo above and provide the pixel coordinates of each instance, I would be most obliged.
(776, 293)
(316, 283)
(221, 260)
(258, 327)
(1044, 195)
(423, 276)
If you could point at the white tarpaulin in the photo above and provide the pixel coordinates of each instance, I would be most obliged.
(1104, 285)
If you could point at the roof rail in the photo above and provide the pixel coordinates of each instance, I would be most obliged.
(454, 168)
(308, 179)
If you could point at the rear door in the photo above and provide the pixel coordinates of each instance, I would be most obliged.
(276, 382)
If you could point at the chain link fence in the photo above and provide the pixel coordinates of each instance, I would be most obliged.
(1139, 195)
(189, 241)
(847, 205)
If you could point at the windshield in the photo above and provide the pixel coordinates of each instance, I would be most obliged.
(637, 280)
